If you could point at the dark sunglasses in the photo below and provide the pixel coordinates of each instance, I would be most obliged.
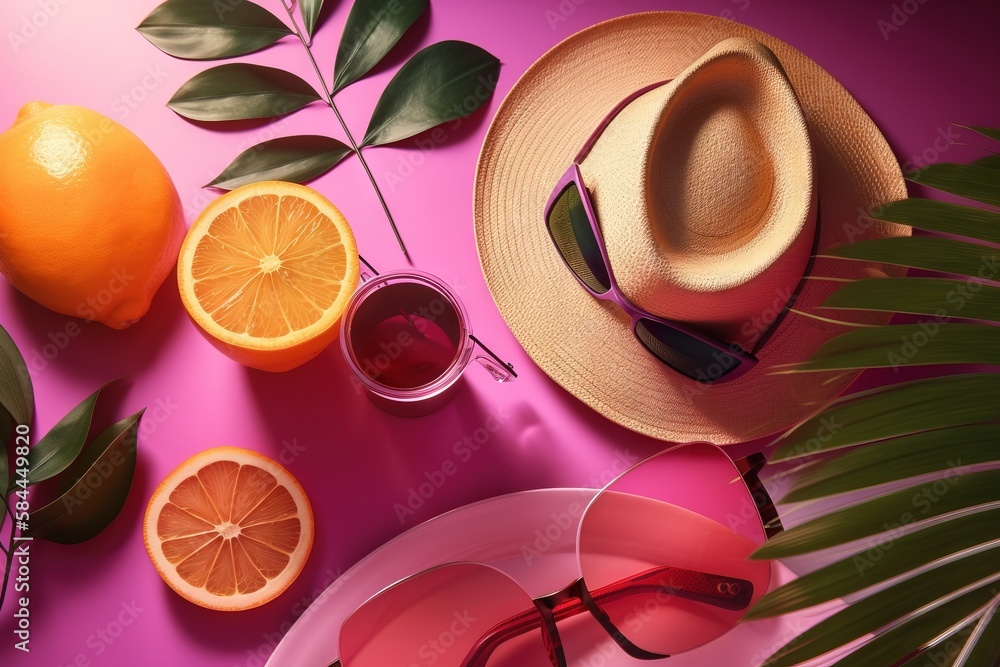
(572, 224)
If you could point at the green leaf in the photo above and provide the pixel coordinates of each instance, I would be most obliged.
(965, 180)
(241, 91)
(935, 254)
(899, 643)
(899, 409)
(296, 159)
(944, 654)
(886, 512)
(16, 393)
(898, 345)
(939, 216)
(920, 296)
(99, 484)
(987, 649)
(311, 10)
(880, 609)
(445, 81)
(991, 132)
(990, 162)
(6, 429)
(945, 425)
(869, 567)
(373, 27)
(896, 459)
(61, 445)
(203, 30)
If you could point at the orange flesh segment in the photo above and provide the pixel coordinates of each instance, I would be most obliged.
(271, 266)
(229, 528)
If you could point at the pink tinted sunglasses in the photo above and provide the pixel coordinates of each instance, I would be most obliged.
(662, 566)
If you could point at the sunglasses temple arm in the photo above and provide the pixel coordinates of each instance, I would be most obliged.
(374, 273)
(609, 626)
(599, 130)
(526, 621)
(503, 364)
(724, 592)
(717, 591)
(776, 322)
(749, 468)
(551, 638)
(507, 366)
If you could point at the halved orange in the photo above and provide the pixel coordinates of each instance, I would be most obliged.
(228, 529)
(266, 272)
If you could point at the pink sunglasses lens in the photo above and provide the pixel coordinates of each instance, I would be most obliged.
(445, 617)
(663, 550)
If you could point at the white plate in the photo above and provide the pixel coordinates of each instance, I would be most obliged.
(531, 535)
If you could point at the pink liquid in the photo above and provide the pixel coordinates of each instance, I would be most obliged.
(405, 335)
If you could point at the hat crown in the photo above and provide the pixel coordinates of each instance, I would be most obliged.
(720, 139)
(586, 345)
(704, 191)
(724, 149)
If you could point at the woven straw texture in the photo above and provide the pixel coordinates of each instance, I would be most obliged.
(715, 269)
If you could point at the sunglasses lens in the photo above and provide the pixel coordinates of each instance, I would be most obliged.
(686, 354)
(663, 550)
(443, 617)
(570, 229)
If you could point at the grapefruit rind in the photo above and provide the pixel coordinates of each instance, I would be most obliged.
(199, 595)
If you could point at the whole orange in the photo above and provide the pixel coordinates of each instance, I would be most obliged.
(90, 222)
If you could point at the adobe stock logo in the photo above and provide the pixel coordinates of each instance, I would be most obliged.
(127, 102)
(901, 13)
(435, 478)
(563, 11)
(38, 359)
(32, 23)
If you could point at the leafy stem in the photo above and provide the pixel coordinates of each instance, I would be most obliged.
(86, 507)
(442, 82)
(328, 98)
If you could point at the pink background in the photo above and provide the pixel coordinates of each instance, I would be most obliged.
(355, 462)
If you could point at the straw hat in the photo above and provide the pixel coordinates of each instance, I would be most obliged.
(708, 190)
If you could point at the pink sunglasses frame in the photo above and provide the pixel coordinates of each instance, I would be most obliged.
(576, 598)
(724, 354)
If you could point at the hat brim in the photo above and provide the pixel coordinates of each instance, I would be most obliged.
(586, 345)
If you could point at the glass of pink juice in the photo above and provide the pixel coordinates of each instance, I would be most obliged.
(407, 339)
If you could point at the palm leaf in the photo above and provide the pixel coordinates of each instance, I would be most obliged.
(940, 297)
(893, 604)
(899, 458)
(922, 344)
(924, 582)
(863, 569)
(891, 511)
(990, 162)
(971, 181)
(908, 640)
(991, 132)
(899, 409)
(939, 216)
(986, 635)
(922, 252)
